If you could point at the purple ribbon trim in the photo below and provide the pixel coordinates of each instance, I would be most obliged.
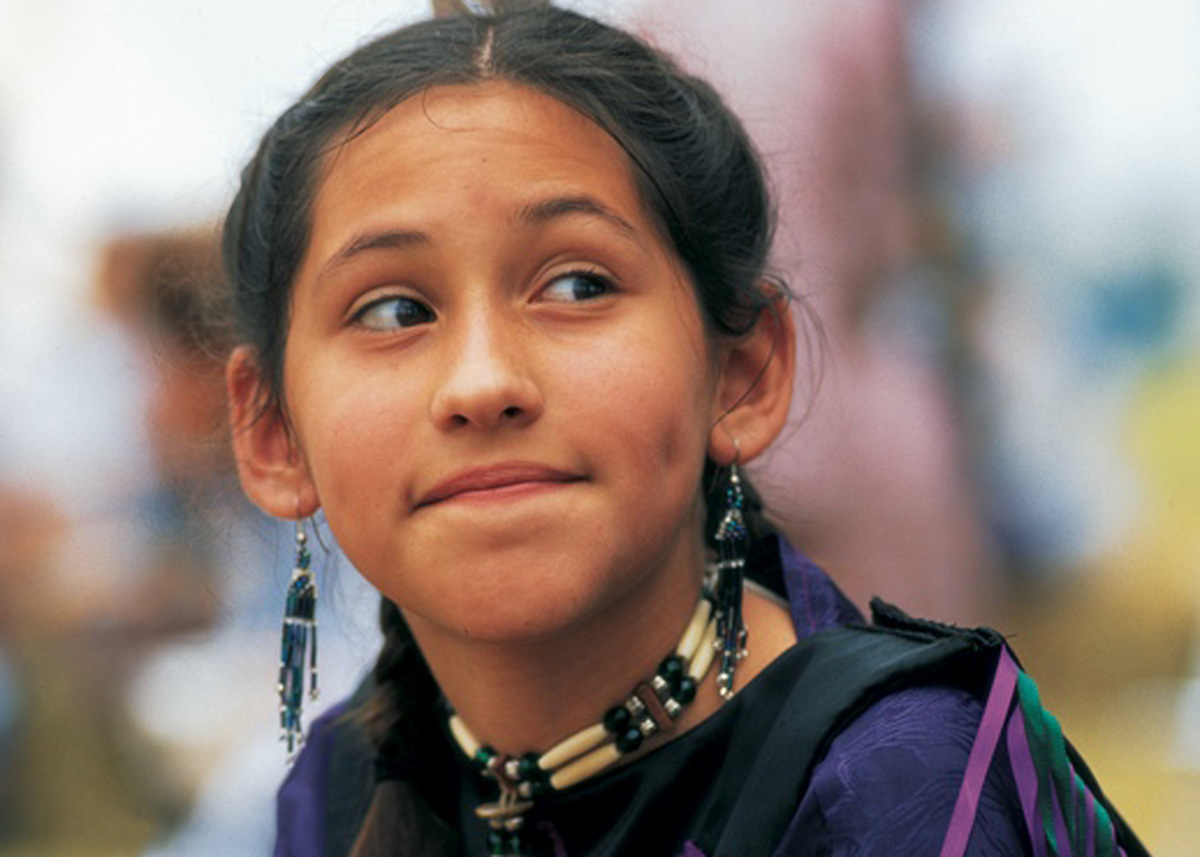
(1026, 777)
(690, 850)
(991, 725)
(1062, 838)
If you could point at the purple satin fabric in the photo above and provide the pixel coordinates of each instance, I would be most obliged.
(890, 781)
(816, 604)
(300, 805)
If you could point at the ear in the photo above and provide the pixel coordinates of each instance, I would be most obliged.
(271, 468)
(754, 389)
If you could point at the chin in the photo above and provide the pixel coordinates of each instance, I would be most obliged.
(508, 606)
(534, 614)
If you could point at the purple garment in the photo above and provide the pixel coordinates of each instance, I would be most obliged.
(300, 805)
(890, 780)
(887, 785)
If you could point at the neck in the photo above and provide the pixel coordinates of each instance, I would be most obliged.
(526, 695)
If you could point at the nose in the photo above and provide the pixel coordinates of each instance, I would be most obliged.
(486, 381)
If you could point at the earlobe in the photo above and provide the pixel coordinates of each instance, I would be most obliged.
(273, 472)
(754, 390)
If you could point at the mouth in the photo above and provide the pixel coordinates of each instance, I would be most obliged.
(497, 482)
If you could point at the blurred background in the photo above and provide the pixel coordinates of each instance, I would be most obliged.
(993, 209)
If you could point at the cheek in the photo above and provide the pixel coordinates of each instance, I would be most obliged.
(651, 427)
(352, 428)
(647, 397)
(662, 433)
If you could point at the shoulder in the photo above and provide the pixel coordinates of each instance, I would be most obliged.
(908, 750)
(906, 699)
(889, 781)
(868, 734)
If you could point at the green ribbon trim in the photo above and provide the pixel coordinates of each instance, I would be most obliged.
(1048, 750)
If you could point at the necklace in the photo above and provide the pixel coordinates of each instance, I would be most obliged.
(652, 707)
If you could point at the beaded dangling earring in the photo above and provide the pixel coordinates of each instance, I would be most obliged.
(298, 653)
(731, 538)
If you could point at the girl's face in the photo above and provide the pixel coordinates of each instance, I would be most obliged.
(497, 377)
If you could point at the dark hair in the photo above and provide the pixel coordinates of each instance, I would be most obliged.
(696, 169)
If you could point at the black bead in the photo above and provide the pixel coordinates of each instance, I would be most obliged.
(528, 768)
(687, 690)
(536, 788)
(629, 740)
(616, 719)
(671, 669)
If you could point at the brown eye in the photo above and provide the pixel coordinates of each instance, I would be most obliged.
(577, 286)
(394, 312)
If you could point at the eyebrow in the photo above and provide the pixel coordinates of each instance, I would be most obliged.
(389, 239)
(534, 213)
(546, 210)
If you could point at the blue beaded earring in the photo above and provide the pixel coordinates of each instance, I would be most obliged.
(732, 542)
(298, 652)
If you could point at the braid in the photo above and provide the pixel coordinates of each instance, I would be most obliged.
(404, 705)
(399, 718)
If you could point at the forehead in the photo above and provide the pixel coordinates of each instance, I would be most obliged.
(471, 144)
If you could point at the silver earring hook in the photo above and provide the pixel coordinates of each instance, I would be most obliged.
(301, 535)
(317, 533)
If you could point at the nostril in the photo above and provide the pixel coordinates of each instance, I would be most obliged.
(512, 411)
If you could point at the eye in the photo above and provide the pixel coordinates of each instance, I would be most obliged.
(578, 286)
(393, 312)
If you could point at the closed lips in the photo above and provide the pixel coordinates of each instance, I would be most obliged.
(493, 478)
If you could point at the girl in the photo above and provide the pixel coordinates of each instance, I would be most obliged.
(507, 322)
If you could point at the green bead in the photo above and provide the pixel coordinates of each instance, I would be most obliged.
(483, 756)
(528, 768)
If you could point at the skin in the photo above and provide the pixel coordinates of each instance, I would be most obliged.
(499, 387)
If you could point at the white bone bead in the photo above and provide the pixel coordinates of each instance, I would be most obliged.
(695, 629)
(503, 809)
(581, 769)
(704, 655)
(569, 748)
(463, 736)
